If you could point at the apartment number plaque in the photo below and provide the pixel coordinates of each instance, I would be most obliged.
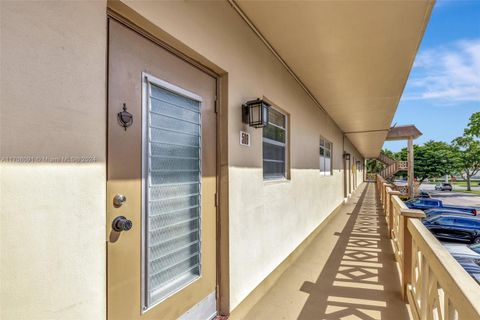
(244, 139)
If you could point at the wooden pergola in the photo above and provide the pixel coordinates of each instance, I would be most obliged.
(409, 133)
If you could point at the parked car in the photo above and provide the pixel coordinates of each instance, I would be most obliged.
(425, 203)
(475, 248)
(430, 213)
(472, 266)
(471, 251)
(444, 187)
(454, 227)
(423, 194)
(467, 256)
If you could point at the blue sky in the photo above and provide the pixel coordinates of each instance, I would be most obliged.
(443, 89)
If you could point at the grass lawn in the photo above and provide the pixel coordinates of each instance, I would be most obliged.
(473, 183)
(477, 192)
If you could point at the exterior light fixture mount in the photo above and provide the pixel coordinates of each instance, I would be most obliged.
(255, 113)
(346, 156)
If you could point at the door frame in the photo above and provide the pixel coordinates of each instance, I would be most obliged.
(132, 20)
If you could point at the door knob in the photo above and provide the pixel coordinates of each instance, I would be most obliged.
(121, 223)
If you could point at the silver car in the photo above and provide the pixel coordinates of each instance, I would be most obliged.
(467, 256)
(444, 187)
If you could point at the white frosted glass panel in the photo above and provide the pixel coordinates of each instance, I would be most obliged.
(173, 204)
(274, 147)
(172, 164)
(172, 193)
(159, 249)
(173, 217)
(160, 192)
(328, 169)
(173, 150)
(180, 101)
(173, 177)
(171, 110)
(167, 123)
(175, 138)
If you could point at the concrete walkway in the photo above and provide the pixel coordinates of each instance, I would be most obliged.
(347, 272)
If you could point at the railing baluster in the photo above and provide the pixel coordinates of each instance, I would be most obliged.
(435, 286)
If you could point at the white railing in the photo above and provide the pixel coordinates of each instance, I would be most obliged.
(433, 283)
(392, 166)
(385, 159)
(439, 288)
(402, 165)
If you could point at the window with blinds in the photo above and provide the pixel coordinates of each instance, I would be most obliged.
(172, 197)
(325, 157)
(274, 146)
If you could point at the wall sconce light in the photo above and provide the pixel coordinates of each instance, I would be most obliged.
(255, 113)
(346, 156)
(358, 163)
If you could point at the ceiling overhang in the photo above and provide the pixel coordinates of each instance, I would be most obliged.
(404, 132)
(352, 57)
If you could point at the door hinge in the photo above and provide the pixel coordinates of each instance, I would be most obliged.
(216, 103)
(216, 200)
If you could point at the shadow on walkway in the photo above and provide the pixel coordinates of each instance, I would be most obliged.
(360, 280)
(356, 275)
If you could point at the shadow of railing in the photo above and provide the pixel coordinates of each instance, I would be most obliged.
(360, 279)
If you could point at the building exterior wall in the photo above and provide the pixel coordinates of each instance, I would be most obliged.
(355, 156)
(60, 49)
(268, 220)
(52, 207)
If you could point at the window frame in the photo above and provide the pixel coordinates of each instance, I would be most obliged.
(286, 145)
(324, 173)
(148, 81)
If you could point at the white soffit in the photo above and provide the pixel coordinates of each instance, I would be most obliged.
(353, 56)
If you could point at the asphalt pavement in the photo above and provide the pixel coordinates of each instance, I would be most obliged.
(453, 198)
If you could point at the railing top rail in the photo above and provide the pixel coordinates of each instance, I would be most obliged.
(461, 289)
(381, 178)
(413, 213)
(398, 203)
(385, 159)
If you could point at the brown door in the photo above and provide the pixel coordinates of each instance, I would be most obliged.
(162, 179)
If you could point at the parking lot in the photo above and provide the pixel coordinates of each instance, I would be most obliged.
(453, 198)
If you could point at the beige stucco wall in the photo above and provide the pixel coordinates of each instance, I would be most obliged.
(268, 220)
(354, 156)
(53, 104)
(52, 215)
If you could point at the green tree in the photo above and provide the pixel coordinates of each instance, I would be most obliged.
(374, 166)
(432, 159)
(390, 154)
(469, 155)
(473, 128)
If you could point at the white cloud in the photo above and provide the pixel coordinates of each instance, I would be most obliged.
(448, 74)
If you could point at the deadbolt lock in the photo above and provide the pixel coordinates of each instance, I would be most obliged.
(118, 200)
